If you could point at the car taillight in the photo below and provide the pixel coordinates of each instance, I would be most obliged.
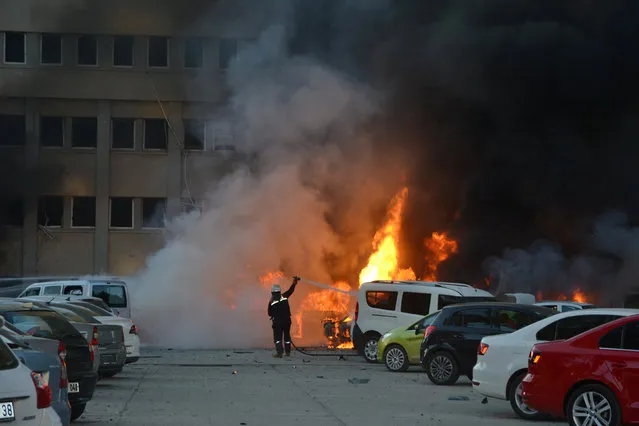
(43, 391)
(429, 330)
(62, 354)
(92, 352)
(482, 349)
(133, 330)
(96, 334)
(356, 311)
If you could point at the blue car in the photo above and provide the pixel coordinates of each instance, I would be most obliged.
(41, 356)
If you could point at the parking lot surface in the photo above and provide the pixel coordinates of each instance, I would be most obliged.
(249, 387)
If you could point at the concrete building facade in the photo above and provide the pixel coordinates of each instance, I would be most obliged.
(112, 118)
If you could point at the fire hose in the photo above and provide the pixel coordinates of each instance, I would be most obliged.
(328, 287)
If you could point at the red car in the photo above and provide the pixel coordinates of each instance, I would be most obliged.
(592, 378)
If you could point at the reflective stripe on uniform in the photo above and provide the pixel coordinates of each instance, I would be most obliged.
(277, 301)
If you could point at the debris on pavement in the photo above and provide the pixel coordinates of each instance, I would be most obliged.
(485, 400)
(357, 381)
(320, 377)
(458, 398)
(234, 371)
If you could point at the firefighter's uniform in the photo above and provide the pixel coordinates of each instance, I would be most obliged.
(280, 313)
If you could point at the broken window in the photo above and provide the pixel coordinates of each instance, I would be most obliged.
(11, 212)
(52, 131)
(84, 132)
(194, 134)
(123, 51)
(50, 210)
(83, 212)
(15, 47)
(153, 212)
(122, 133)
(158, 52)
(155, 134)
(87, 50)
(227, 51)
(51, 49)
(121, 215)
(193, 53)
(12, 130)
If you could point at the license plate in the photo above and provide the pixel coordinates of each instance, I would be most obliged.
(74, 387)
(6, 411)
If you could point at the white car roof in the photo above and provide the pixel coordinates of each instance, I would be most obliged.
(443, 287)
(562, 302)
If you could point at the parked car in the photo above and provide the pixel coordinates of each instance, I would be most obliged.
(109, 339)
(25, 397)
(449, 348)
(131, 337)
(565, 306)
(71, 298)
(50, 366)
(589, 379)
(399, 348)
(502, 361)
(385, 305)
(79, 355)
(114, 292)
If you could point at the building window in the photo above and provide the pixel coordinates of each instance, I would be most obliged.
(87, 50)
(83, 212)
(122, 133)
(193, 53)
(12, 130)
(155, 134)
(153, 212)
(52, 131)
(15, 48)
(194, 134)
(51, 49)
(123, 51)
(50, 211)
(158, 52)
(11, 212)
(227, 51)
(84, 132)
(121, 212)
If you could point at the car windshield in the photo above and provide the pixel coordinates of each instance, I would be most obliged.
(47, 324)
(424, 322)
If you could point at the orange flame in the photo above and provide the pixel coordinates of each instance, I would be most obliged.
(577, 296)
(440, 247)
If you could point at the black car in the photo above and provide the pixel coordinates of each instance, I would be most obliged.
(449, 348)
(75, 350)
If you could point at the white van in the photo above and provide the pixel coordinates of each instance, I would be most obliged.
(385, 305)
(114, 292)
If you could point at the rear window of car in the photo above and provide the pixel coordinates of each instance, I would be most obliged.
(113, 295)
(47, 324)
(567, 328)
(471, 318)
(7, 360)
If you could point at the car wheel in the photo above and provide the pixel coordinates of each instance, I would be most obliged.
(517, 402)
(77, 410)
(396, 358)
(442, 368)
(593, 404)
(370, 347)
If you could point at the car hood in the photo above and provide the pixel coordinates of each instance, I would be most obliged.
(394, 332)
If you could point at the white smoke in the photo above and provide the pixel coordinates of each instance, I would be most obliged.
(301, 123)
(609, 269)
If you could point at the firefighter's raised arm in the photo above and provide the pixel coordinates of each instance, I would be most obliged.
(290, 291)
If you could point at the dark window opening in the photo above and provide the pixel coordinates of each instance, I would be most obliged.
(76, 290)
(445, 300)
(572, 326)
(123, 133)
(509, 320)
(194, 134)
(612, 339)
(193, 53)
(84, 133)
(631, 336)
(83, 212)
(52, 131)
(158, 52)
(416, 303)
(51, 49)
(123, 51)
(227, 51)
(472, 318)
(12, 130)
(153, 212)
(121, 212)
(12, 212)
(14, 47)
(87, 50)
(50, 210)
(386, 300)
(155, 134)
(112, 294)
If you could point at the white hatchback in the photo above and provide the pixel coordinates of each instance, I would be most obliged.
(502, 360)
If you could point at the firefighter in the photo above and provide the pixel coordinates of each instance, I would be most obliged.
(280, 313)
